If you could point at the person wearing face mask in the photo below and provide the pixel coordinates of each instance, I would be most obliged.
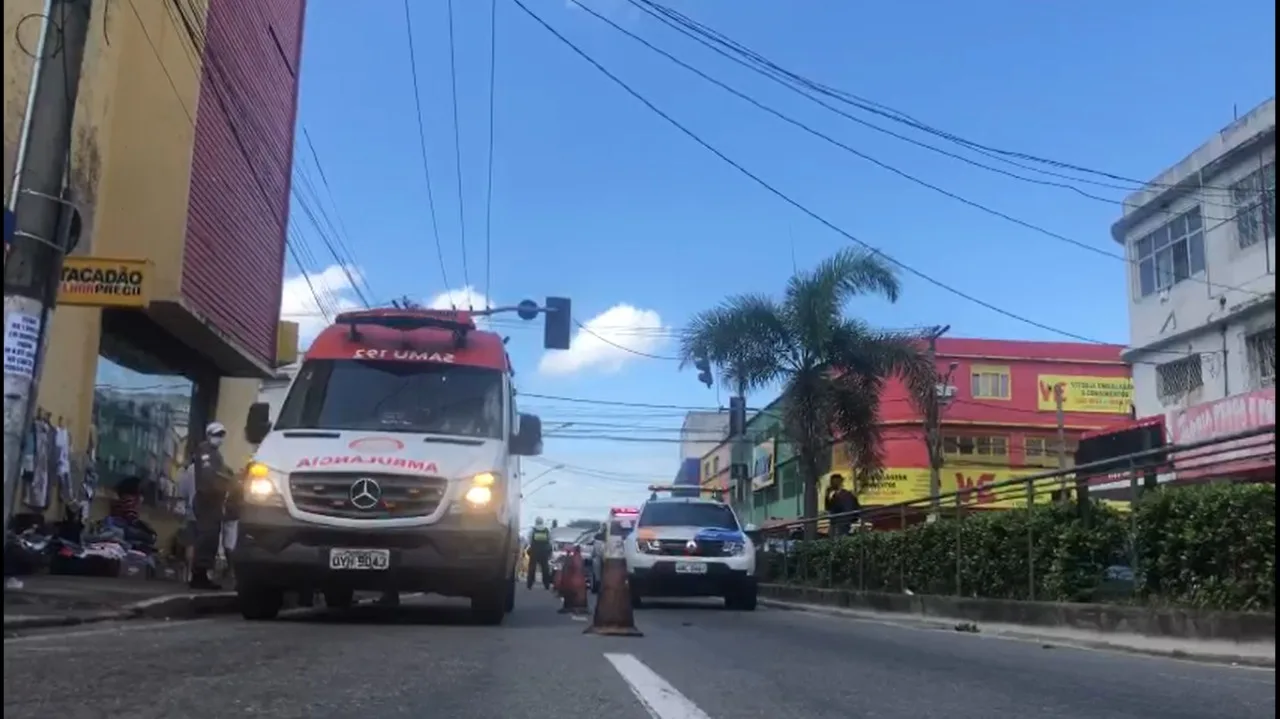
(213, 482)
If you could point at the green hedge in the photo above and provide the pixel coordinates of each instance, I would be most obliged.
(1208, 546)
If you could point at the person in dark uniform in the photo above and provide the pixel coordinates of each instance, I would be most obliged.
(539, 554)
(213, 482)
(840, 501)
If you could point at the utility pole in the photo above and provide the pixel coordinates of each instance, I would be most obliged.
(739, 474)
(1058, 400)
(44, 219)
(933, 425)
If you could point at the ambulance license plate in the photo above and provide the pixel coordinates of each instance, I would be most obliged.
(375, 560)
(691, 568)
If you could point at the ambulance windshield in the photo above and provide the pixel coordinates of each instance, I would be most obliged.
(387, 396)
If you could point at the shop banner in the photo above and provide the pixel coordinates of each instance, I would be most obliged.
(1101, 395)
(904, 485)
(762, 465)
(1204, 422)
(105, 282)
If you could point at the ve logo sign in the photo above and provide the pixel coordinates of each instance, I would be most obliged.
(1049, 391)
(976, 489)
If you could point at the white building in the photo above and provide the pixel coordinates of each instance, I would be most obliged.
(1201, 242)
(702, 432)
(274, 390)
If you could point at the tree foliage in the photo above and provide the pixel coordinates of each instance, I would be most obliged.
(833, 368)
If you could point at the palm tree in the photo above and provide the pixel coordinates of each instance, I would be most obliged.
(832, 367)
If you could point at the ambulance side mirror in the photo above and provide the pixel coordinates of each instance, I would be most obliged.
(599, 536)
(527, 442)
(258, 424)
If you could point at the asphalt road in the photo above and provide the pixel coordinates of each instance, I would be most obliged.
(424, 660)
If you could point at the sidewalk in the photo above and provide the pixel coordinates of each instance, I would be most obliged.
(1169, 633)
(53, 601)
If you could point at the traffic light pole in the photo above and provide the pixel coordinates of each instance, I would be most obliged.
(33, 267)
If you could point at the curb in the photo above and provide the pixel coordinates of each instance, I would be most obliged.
(172, 606)
(1046, 640)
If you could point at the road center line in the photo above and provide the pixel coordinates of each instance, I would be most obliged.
(661, 699)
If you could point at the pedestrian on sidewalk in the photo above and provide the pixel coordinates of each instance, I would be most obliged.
(840, 501)
(213, 481)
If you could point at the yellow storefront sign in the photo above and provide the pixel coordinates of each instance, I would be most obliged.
(1103, 395)
(105, 282)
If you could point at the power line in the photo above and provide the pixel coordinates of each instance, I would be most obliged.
(457, 151)
(488, 193)
(1039, 229)
(763, 65)
(791, 201)
(616, 403)
(582, 327)
(422, 144)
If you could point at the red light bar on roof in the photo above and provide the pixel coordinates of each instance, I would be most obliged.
(624, 510)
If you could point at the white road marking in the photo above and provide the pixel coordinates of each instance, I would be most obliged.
(661, 699)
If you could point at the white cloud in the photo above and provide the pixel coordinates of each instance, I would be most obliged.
(601, 345)
(463, 298)
(298, 300)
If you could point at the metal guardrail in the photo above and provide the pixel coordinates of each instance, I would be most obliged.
(1029, 491)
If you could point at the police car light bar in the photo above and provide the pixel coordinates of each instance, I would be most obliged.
(623, 510)
(655, 488)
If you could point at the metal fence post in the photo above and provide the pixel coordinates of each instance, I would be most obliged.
(1031, 540)
(959, 520)
(902, 564)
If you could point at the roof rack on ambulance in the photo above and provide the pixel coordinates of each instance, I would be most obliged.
(556, 331)
(655, 488)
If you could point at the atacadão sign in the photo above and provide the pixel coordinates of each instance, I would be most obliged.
(105, 282)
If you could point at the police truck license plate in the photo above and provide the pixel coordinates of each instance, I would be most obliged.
(360, 559)
(691, 568)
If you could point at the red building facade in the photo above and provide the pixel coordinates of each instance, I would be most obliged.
(1000, 418)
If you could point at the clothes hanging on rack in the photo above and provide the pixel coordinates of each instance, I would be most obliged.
(62, 469)
(44, 466)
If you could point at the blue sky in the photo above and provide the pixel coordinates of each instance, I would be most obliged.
(598, 199)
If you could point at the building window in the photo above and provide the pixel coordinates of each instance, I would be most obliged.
(1043, 451)
(1171, 254)
(1255, 219)
(715, 466)
(975, 446)
(990, 382)
(1261, 348)
(1175, 379)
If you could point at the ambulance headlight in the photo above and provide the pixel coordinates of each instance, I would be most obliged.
(479, 496)
(260, 485)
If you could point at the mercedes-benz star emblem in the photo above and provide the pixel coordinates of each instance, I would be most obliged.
(690, 546)
(365, 493)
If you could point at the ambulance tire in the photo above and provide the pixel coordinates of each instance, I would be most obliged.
(489, 605)
(259, 603)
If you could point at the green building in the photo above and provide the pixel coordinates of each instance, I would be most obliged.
(773, 488)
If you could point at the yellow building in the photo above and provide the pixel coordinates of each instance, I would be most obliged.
(133, 372)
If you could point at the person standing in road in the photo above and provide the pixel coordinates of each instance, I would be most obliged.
(840, 501)
(539, 554)
(213, 482)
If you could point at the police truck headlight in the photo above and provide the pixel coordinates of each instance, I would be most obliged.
(650, 546)
(734, 549)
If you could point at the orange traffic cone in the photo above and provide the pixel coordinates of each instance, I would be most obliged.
(573, 584)
(613, 615)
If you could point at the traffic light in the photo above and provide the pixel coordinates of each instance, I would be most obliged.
(703, 365)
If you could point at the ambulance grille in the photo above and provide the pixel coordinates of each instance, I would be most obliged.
(357, 495)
